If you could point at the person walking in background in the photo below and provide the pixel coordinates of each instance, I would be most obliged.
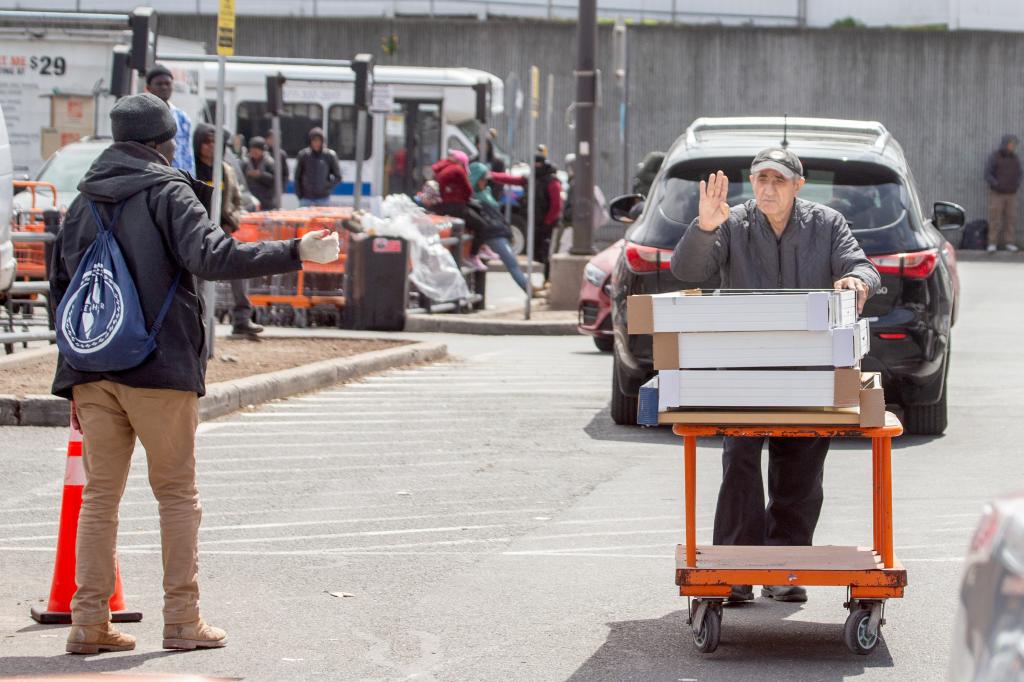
(317, 172)
(160, 82)
(258, 169)
(204, 141)
(166, 239)
(646, 171)
(1003, 175)
(547, 203)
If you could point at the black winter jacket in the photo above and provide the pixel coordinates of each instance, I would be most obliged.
(316, 173)
(163, 229)
(261, 184)
(816, 249)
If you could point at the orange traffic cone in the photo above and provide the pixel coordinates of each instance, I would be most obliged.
(58, 610)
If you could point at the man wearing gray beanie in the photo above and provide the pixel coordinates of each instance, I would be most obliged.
(164, 233)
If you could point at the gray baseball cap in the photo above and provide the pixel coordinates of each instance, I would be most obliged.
(778, 159)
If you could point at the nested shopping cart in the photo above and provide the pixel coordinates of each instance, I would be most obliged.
(705, 574)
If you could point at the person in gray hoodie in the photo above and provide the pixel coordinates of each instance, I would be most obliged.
(317, 172)
(1003, 175)
(775, 241)
(163, 232)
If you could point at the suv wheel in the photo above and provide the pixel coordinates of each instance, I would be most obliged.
(623, 406)
(929, 420)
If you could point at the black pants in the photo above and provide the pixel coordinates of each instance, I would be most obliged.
(542, 247)
(795, 473)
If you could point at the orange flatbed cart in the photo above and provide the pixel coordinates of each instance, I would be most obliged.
(705, 574)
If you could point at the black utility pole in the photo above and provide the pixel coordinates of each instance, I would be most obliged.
(586, 104)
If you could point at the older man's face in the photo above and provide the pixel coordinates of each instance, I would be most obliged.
(774, 192)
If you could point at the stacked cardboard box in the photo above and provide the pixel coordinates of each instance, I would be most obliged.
(72, 117)
(757, 357)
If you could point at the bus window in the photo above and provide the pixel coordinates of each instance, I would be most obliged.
(341, 132)
(297, 118)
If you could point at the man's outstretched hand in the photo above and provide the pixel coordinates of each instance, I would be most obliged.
(857, 285)
(713, 208)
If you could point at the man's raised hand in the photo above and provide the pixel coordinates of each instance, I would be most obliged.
(713, 208)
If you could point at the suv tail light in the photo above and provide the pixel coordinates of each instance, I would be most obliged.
(915, 265)
(647, 258)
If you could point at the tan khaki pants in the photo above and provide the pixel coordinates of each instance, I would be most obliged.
(1002, 218)
(112, 415)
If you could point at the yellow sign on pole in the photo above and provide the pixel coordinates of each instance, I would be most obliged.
(226, 28)
(534, 92)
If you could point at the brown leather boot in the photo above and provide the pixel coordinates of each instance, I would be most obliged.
(195, 635)
(92, 639)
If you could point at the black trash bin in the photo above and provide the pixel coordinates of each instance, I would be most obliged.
(376, 283)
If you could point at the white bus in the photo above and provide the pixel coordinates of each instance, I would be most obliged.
(433, 109)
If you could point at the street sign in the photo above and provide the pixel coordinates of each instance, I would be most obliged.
(226, 28)
(383, 100)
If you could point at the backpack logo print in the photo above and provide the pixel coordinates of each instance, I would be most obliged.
(101, 311)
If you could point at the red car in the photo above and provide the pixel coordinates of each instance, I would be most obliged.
(595, 303)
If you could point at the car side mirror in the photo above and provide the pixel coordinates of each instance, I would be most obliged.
(949, 219)
(627, 208)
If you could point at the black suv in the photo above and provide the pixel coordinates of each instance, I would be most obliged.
(855, 167)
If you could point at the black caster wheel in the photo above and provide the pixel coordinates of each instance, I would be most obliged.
(708, 632)
(858, 633)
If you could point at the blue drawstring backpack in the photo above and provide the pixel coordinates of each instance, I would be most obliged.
(100, 323)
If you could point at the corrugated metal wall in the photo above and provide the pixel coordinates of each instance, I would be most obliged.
(946, 96)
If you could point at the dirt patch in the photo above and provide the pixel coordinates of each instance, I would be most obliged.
(234, 359)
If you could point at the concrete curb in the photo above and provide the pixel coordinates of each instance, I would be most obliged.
(230, 396)
(984, 256)
(488, 326)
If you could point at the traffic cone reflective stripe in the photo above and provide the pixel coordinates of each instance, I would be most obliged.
(58, 608)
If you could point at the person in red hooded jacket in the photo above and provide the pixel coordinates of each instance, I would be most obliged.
(452, 177)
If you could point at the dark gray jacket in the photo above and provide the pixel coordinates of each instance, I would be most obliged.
(163, 229)
(262, 184)
(816, 249)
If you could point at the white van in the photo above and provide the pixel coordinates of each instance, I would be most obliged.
(7, 262)
(433, 110)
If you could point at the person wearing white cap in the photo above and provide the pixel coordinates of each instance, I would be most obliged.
(775, 241)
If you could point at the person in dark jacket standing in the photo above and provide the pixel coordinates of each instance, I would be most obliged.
(258, 168)
(1003, 175)
(317, 172)
(163, 232)
(775, 241)
(547, 203)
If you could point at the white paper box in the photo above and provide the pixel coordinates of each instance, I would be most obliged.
(839, 347)
(758, 388)
(741, 312)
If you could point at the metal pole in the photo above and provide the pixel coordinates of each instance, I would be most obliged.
(210, 288)
(531, 216)
(620, 50)
(549, 107)
(586, 103)
(357, 191)
(275, 128)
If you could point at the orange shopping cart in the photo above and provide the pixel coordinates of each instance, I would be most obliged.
(705, 574)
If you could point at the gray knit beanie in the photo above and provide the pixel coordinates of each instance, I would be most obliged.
(142, 118)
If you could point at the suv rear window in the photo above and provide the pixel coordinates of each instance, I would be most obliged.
(872, 197)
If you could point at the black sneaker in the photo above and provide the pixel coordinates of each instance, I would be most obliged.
(741, 593)
(790, 593)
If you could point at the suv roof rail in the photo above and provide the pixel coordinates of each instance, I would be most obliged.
(871, 132)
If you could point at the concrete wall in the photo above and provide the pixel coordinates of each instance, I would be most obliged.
(947, 97)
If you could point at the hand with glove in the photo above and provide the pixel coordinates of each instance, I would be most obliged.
(320, 246)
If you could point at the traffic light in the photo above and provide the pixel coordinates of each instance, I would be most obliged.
(362, 65)
(143, 24)
(275, 94)
(121, 72)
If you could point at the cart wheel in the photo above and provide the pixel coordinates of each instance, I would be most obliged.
(857, 632)
(707, 633)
